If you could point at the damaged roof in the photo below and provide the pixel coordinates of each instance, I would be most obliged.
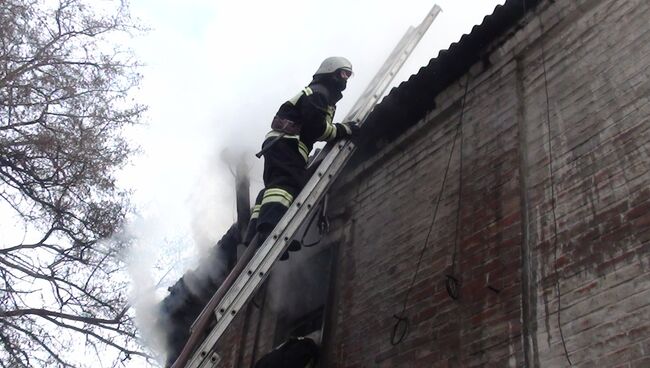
(408, 103)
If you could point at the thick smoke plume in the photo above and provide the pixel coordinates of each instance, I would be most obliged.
(169, 319)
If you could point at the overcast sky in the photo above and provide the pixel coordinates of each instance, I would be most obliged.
(215, 74)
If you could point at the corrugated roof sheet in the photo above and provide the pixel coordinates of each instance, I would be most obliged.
(406, 104)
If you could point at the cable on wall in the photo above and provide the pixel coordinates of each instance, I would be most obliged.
(552, 185)
(401, 327)
(452, 283)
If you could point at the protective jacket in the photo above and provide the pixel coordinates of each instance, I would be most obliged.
(307, 117)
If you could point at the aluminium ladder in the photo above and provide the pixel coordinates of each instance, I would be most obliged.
(255, 272)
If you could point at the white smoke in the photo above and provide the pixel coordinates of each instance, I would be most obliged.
(213, 200)
(203, 265)
(148, 261)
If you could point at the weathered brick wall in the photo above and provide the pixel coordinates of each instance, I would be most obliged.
(598, 73)
(511, 265)
(394, 208)
(597, 57)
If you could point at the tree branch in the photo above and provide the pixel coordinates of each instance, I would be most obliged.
(64, 91)
(45, 312)
(98, 337)
(36, 339)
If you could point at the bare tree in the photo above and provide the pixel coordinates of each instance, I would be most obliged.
(64, 101)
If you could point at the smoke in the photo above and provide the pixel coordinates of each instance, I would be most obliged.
(149, 249)
(217, 248)
(164, 317)
(213, 201)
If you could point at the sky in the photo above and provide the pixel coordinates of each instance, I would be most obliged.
(215, 72)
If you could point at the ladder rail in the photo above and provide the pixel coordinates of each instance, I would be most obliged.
(393, 64)
(371, 88)
(257, 269)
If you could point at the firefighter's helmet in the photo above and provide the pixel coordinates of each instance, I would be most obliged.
(332, 64)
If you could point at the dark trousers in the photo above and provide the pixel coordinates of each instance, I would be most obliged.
(285, 174)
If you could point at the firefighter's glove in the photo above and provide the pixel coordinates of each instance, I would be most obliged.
(351, 129)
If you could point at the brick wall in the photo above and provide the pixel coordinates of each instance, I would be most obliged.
(597, 57)
(597, 67)
(510, 263)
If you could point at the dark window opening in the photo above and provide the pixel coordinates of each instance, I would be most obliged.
(306, 325)
(305, 285)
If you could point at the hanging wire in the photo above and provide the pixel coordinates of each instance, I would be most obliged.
(452, 283)
(323, 225)
(402, 322)
(550, 169)
(401, 319)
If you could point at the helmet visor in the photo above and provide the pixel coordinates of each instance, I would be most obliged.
(345, 73)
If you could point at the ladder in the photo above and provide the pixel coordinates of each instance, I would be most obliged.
(250, 274)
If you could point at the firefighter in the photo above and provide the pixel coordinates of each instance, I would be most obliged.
(298, 124)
